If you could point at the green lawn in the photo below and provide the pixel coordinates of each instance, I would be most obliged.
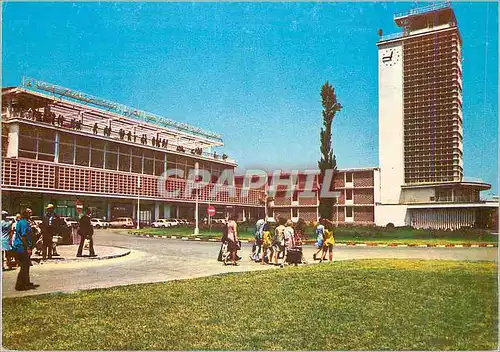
(357, 235)
(350, 305)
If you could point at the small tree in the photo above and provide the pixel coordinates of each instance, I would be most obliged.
(327, 161)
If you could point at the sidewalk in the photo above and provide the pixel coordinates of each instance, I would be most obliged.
(68, 253)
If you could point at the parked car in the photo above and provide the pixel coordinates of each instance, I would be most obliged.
(181, 222)
(161, 223)
(122, 222)
(99, 223)
(10, 218)
(173, 222)
(37, 220)
(70, 222)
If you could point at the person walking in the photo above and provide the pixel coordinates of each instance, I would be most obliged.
(266, 244)
(299, 230)
(86, 230)
(329, 242)
(51, 226)
(279, 240)
(320, 236)
(6, 242)
(21, 245)
(289, 240)
(259, 226)
(232, 238)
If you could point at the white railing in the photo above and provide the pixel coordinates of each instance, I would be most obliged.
(391, 36)
(424, 9)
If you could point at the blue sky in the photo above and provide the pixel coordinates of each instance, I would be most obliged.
(250, 71)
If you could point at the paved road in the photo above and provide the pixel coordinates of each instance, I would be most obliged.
(157, 259)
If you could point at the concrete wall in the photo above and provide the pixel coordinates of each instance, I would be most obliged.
(417, 195)
(13, 144)
(376, 186)
(396, 214)
(391, 137)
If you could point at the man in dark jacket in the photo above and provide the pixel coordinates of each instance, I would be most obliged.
(86, 231)
(51, 225)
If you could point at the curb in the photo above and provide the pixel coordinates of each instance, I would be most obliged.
(348, 244)
(59, 260)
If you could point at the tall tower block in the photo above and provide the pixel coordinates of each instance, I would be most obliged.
(420, 101)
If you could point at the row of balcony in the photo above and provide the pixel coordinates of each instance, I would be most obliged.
(432, 159)
(453, 105)
(439, 124)
(432, 65)
(414, 74)
(435, 170)
(432, 178)
(425, 115)
(431, 126)
(421, 83)
(413, 156)
(447, 88)
(419, 44)
(425, 147)
(435, 73)
(413, 140)
(423, 112)
(431, 92)
(427, 60)
(445, 152)
(435, 134)
(440, 164)
(429, 82)
(442, 54)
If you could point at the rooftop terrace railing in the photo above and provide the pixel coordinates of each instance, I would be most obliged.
(391, 36)
(424, 9)
(85, 128)
(66, 93)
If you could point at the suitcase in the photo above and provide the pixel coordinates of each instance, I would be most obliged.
(294, 256)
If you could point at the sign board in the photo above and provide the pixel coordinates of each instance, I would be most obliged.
(211, 210)
(79, 206)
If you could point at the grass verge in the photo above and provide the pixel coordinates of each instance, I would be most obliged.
(355, 235)
(351, 305)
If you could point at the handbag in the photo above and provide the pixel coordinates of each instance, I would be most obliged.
(86, 243)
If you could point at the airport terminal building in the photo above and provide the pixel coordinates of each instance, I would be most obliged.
(60, 146)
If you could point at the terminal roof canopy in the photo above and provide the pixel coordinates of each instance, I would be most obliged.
(91, 110)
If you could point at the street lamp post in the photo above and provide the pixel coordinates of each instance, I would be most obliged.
(138, 201)
(196, 172)
(337, 211)
(336, 195)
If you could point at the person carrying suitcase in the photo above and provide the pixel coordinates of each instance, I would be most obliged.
(289, 242)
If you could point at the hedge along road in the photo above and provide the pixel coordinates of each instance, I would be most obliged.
(158, 259)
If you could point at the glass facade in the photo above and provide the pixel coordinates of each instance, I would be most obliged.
(74, 149)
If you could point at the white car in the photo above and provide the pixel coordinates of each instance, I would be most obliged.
(70, 222)
(99, 223)
(181, 221)
(37, 220)
(161, 223)
(173, 222)
(122, 222)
